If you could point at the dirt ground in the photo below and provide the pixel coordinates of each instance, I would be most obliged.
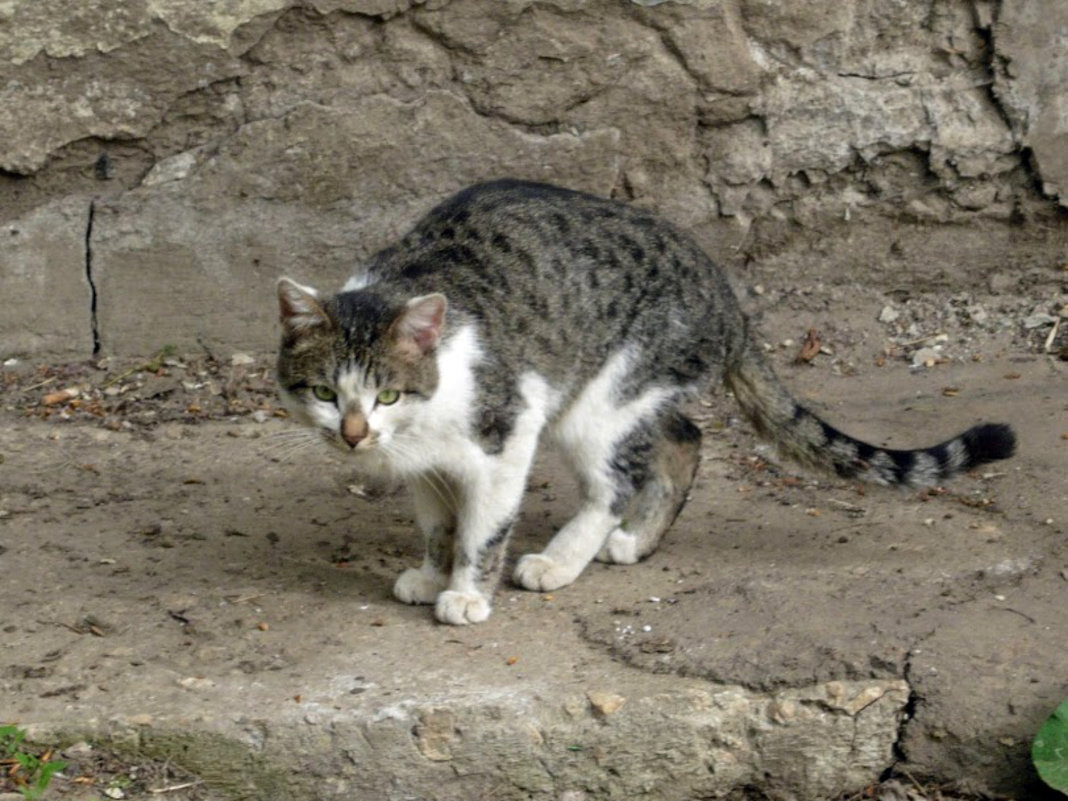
(155, 514)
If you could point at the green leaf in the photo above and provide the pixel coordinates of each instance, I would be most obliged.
(1050, 749)
(11, 738)
(47, 769)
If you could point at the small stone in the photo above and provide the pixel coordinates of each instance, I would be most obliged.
(927, 357)
(195, 683)
(978, 314)
(1038, 320)
(241, 360)
(605, 703)
(78, 749)
(889, 314)
(782, 712)
(260, 416)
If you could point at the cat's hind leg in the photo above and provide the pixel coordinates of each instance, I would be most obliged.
(591, 433)
(435, 501)
(661, 470)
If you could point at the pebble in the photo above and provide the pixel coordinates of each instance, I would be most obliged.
(195, 683)
(889, 314)
(605, 703)
(1038, 320)
(926, 357)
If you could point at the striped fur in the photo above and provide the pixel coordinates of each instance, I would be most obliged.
(804, 437)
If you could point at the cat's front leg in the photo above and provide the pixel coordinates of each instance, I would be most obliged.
(492, 492)
(475, 575)
(435, 500)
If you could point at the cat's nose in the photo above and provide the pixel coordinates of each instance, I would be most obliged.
(354, 428)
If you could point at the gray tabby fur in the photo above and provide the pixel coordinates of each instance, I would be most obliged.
(515, 308)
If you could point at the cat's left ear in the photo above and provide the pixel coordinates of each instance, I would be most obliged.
(299, 307)
(418, 329)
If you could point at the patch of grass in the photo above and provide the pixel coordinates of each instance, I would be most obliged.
(29, 772)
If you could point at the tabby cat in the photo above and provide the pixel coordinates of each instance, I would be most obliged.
(517, 308)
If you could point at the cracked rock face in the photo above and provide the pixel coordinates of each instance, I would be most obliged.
(730, 118)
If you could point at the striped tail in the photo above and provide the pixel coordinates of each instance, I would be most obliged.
(804, 437)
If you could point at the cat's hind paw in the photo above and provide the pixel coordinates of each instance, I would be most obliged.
(418, 585)
(620, 548)
(461, 608)
(541, 573)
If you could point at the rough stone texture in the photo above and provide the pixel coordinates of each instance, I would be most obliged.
(1032, 71)
(45, 291)
(289, 207)
(262, 130)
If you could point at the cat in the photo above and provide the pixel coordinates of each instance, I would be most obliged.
(516, 308)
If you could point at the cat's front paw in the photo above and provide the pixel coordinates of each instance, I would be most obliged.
(620, 548)
(461, 608)
(541, 573)
(418, 585)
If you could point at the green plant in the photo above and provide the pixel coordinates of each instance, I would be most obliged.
(1050, 749)
(31, 773)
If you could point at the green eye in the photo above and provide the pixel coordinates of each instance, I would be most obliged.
(388, 397)
(324, 393)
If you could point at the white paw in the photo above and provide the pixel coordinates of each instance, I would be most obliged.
(620, 548)
(417, 585)
(541, 573)
(461, 608)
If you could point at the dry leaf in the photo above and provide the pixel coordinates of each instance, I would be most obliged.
(60, 396)
(810, 348)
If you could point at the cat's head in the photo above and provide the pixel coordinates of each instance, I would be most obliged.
(357, 366)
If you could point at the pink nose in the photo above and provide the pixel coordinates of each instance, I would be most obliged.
(354, 428)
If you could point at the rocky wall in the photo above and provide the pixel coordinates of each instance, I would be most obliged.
(164, 160)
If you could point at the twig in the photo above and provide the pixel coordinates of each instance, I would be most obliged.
(175, 787)
(44, 383)
(916, 784)
(1052, 335)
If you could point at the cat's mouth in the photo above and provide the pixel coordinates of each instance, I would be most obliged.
(337, 439)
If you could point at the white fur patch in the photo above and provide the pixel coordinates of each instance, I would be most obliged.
(924, 470)
(881, 468)
(956, 456)
(432, 434)
(359, 281)
(596, 420)
(589, 431)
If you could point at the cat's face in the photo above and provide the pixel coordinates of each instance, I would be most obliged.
(358, 368)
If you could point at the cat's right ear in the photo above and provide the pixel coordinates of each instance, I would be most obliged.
(299, 307)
